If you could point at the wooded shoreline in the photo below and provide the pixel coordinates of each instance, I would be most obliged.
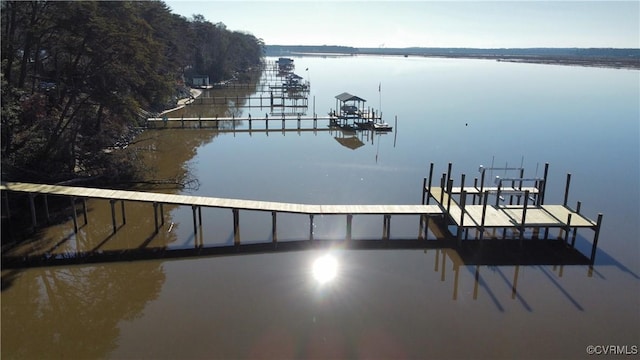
(598, 57)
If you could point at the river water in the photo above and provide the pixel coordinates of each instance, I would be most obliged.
(381, 303)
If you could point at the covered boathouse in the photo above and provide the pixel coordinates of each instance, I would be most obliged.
(351, 113)
(349, 106)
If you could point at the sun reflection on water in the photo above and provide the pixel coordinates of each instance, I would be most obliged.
(324, 269)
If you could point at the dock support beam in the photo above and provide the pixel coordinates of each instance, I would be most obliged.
(236, 227)
(443, 187)
(429, 184)
(567, 230)
(75, 214)
(484, 195)
(310, 226)
(155, 216)
(274, 232)
(566, 190)
(84, 210)
(195, 223)
(424, 190)
(594, 247)
(32, 206)
(112, 202)
(6, 204)
(124, 218)
(524, 217)
(46, 208)
(544, 184)
(575, 230)
(463, 200)
(423, 228)
(349, 222)
(386, 227)
(449, 188)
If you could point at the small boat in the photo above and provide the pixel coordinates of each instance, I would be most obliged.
(378, 126)
(382, 126)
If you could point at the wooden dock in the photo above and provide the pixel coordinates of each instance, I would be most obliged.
(273, 100)
(528, 212)
(452, 208)
(214, 122)
(197, 202)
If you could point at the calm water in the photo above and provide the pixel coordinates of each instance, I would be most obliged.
(385, 303)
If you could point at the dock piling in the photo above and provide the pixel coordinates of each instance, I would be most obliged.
(575, 229)
(429, 183)
(155, 216)
(544, 184)
(124, 218)
(195, 223)
(236, 227)
(6, 204)
(75, 214)
(567, 229)
(386, 228)
(594, 246)
(424, 190)
(46, 209)
(449, 189)
(566, 189)
(463, 198)
(524, 217)
(32, 206)
(274, 234)
(84, 210)
(112, 203)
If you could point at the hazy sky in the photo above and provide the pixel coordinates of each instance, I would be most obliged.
(480, 24)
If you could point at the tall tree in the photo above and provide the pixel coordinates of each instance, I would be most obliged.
(77, 74)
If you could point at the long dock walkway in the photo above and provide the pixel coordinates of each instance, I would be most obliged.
(197, 202)
(227, 203)
(451, 208)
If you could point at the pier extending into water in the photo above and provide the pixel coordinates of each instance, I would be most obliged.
(465, 208)
(214, 122)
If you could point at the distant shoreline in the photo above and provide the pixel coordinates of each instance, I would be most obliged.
(599, 57)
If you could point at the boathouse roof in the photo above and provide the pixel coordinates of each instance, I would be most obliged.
(348, 97)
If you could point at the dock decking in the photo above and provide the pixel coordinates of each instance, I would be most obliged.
(451, 208)
(251, 205)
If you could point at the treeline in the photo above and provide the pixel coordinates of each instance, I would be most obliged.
(630, 57)
(277, 50)
(77, 76)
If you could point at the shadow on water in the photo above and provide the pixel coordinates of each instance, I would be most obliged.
(478, 252)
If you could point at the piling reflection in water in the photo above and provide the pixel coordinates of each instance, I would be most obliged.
(449, 262)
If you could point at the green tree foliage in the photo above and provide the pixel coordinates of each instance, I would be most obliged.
(219, 53)
(77, 76)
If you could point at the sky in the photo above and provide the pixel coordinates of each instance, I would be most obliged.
(398, 24)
